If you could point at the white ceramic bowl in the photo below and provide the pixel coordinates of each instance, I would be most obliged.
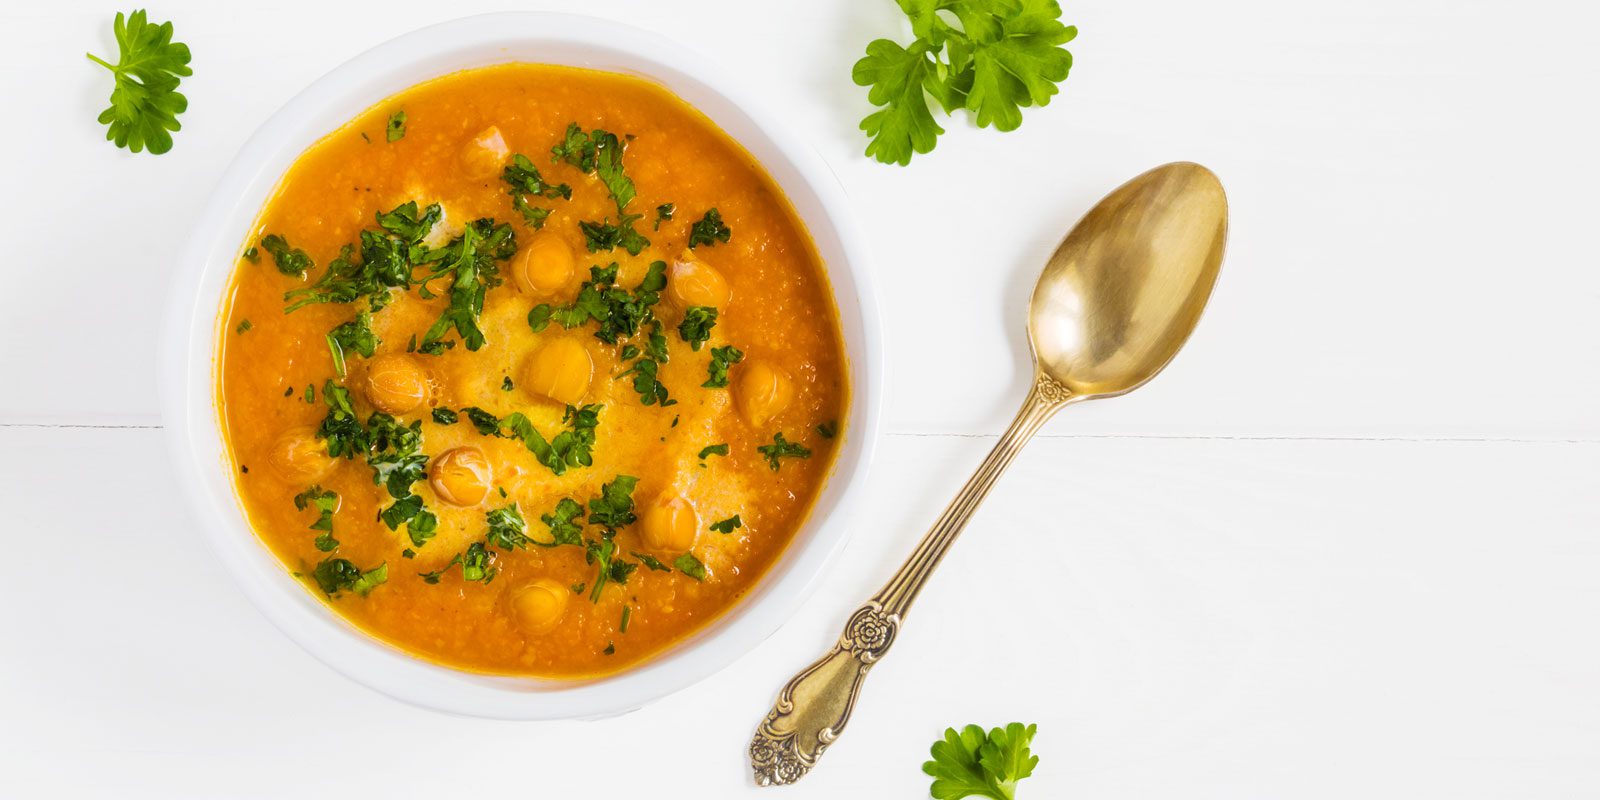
(194, 432)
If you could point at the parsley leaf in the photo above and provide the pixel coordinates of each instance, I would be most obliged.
(614, 507)
(728, 525)
(145, 102)
(1004, 56)
(445, 416)
(243, 326)
(663, 214)
(524, 180)
(355, 335)
(603, 554)
(326, 502)
(600, 152)
(782, 448)
(334, 575)
(696, 325)
(721, 358)
(709, 230)
(340, 428)
(291, 261)
(396, 129)
(565, 523)
(829, 429)
(507, 529)
(714, 450)
(972, 763)
(650, 561)
(691, 566)
(471, 260)
(570, 448)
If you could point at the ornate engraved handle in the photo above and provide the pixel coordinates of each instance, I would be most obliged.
(815, 705)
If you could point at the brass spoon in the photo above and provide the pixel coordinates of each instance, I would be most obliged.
(1115, 303)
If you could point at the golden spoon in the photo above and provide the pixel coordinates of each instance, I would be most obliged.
(1115, 303)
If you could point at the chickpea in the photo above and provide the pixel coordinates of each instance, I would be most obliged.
(669, 525)
(539, 606)
(486, 154)
(545, 265)
(695, 283)
(396, 383)
(461, 476)
(560, 370)
(763, 392)
(297, 456)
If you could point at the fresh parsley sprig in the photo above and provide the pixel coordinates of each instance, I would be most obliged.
(975, 763)
(145, 102)
(990, 57)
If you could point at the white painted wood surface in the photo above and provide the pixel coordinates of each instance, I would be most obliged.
(1346, 546)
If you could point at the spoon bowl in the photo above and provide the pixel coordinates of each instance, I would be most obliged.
(1120, 296)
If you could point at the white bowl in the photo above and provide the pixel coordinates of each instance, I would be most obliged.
(195, 434)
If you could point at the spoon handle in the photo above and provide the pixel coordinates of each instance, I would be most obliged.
(814, 706)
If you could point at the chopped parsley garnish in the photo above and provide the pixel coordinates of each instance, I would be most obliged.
(507, 529)
(650, 561)
(252, 255)
(721, 358)
(525, 181)
(326, 502)
(334, 575)
(396, 129)
(709, 230)
(572, 447)
(1003, 57)
(291, 261)
(714, 450)
(445, 416)
(243, 326)
(645, 371)
(691, 566)
(311, 394)
(353, 336)
(565, 523)
(471, 259)
(610, 569)
(386, 260)
(614, 507)
(600, 152)
(145, 102)
(782, 448)
(728, 525)
(973, 763)
(611, 649)
(627, 614)
(829, 429)
(506, 385)
(475, 565)
(663, 214)
(696, 325)
(340, 428)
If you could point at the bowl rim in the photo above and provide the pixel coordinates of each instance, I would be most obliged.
(193, 431)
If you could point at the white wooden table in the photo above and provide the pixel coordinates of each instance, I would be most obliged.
(1345, 547)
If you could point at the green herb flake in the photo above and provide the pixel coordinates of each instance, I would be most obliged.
(782, 448)
(325, 502)
(709, 230)
(506, 385)
(728, 525)
(243, 326)
(650, 561)
(145, 102)
(396, 129)
(252, 255)
(663, 214)
(627, 614)
(829, 429)
(721, 359)
(445, 416)
(714, 450)
(334, 575)
(696, 325)
(691, 566)
(290, 261)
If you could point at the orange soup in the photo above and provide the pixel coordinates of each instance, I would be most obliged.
(530, 370)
